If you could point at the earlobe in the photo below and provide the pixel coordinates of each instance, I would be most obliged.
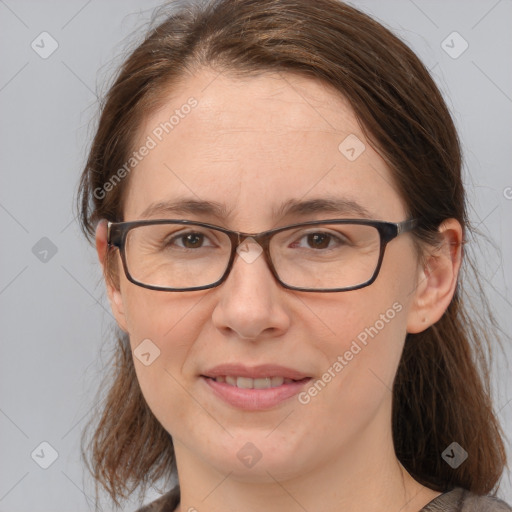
(114, 294)
(437, 281)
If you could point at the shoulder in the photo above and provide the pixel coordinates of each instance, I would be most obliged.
(166, 503)
(462, 500)
(476, 503)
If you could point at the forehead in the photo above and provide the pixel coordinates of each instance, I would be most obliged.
(252, 144)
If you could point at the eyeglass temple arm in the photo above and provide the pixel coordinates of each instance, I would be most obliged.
(406, 225)
(112, 235)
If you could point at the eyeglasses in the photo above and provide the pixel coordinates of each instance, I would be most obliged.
(318, 256)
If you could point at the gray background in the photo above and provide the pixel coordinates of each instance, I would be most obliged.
(55, 322)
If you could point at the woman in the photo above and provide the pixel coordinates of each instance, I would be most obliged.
(275, 191)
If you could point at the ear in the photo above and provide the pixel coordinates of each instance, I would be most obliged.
(438, 280)
(114, 294)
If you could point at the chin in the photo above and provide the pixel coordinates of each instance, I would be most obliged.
(258, 459)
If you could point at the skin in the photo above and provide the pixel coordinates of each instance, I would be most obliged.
(252, 144)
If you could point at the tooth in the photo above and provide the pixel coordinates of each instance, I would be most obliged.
(248, 383)
(244, 382)
(277, 381)
(231, 380)
(263, 383)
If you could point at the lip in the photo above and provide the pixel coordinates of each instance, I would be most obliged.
(254, 399)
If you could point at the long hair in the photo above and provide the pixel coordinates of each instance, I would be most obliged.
(441, 390)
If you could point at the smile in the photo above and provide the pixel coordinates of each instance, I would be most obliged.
(254, 394)
(248, 383)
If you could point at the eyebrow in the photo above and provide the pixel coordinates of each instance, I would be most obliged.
(292, 207)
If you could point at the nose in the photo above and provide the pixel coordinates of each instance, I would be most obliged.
(251, 301)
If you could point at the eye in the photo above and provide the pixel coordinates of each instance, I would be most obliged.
(191, 240)
(322, 240)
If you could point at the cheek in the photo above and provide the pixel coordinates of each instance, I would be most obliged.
(163, 317)
(162, 330)
(366, 332)
(358, 378)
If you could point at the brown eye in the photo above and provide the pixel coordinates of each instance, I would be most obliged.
(318, 240)
(192, 240)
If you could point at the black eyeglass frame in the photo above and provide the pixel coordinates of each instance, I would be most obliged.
(118, 231)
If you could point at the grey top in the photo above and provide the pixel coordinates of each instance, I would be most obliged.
(461, 500)
(456, 500)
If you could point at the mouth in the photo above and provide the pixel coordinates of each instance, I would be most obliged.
(258, 383)
(253, 394)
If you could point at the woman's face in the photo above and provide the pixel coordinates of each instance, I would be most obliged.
(250, 146)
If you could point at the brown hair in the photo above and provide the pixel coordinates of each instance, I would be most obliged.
(441, 391)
